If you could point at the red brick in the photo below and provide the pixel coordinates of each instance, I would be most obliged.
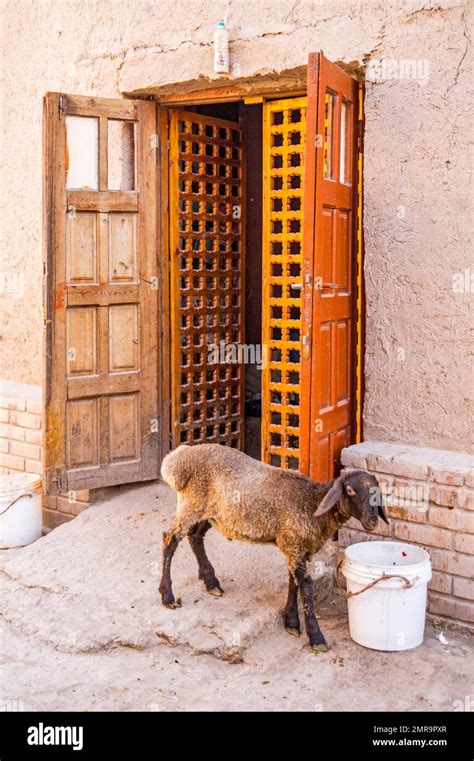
(4, 445)
(413, 514)
(12, 432)
(11, 461)
(469, 478)
(407, 468)
(424, 535)
(50, 501)
(444, 495)
(25, 450)
(452, 562)
(457, 520)
(441, 582)
(25, 419)
(468, 499)
(34, 405)
(71, 507)
(463, 588)
(449, 476)
(34, 437)
(12, 403)
(4, 416)
(353, 459)
(34, 466)
(464, 543)
(451, 607)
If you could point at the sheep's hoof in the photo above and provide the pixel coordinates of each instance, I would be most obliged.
(293, 631)
(320, 647)
(170, 602)
(216, 591)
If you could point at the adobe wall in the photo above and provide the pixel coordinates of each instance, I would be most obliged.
(416, 161)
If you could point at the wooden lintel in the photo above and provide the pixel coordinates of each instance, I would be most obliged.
(250, 93)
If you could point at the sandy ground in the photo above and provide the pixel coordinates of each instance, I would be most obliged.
(83, 629)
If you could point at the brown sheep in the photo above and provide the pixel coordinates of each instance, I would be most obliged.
(248, 500)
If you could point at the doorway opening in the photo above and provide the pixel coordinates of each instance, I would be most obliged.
(236, 186)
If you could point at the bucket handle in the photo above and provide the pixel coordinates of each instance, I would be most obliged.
(28, 494)
(407, 584)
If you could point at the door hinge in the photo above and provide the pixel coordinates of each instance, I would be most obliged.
(62, 106)
(59, 479)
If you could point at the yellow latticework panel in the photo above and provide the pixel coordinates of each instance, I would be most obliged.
(207, 271)
(284, 132)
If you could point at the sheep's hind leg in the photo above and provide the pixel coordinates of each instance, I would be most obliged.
(290, 613)
(206, 570)
(179, 528)
(305, 585)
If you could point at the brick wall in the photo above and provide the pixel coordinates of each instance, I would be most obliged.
(21, 428)
(21, 447)
(429, 498)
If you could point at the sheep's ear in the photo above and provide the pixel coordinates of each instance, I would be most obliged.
(334, 495)
(381, 513)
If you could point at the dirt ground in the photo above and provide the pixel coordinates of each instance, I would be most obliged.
(83, 629)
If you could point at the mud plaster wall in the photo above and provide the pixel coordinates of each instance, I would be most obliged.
(416, 162)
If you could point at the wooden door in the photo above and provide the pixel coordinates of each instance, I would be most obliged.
(329, 251)
(284, 135)
(102, 421)
(207, 234)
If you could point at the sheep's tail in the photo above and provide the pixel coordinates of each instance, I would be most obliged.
(175, 469)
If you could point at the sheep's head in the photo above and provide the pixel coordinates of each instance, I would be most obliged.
(360, 494)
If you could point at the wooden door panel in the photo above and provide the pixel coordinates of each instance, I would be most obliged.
(207, 247)
(81, 248)
(329, 246)
(82, 417)
(124, 427)
(102, 396)
(123, 338)
(122, 248)
(82, 340)
(284, 128)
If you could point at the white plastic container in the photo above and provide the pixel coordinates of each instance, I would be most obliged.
(21, 519)
(221, 49)
(390, 615)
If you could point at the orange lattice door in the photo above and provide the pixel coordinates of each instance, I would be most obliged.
(102, 415)
(329, 307)
(207, 233)
(284, 133)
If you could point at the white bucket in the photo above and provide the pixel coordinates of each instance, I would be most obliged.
(390, 615)
(21, 520)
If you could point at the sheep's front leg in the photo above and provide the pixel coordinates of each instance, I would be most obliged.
(290, 613)
(305, 585)
(206, 570)
(170, 543)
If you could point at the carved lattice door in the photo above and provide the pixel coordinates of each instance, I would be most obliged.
(207, 233)
(284, 132)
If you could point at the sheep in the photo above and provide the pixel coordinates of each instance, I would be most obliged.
(253, 502)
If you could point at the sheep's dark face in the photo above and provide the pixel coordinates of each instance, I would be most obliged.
(364, 498)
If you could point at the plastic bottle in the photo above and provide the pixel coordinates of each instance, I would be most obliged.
(221, 49)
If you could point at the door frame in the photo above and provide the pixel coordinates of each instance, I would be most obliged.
(250, 93)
